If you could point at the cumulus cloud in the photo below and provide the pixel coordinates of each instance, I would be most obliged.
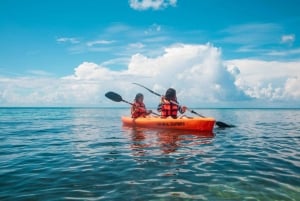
(90, 72)
(197, 72)
(24, 91)
(151, 4)
(268, 80)
(291, 88)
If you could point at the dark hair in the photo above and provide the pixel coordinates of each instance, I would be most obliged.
(170, 93)
(138, 95)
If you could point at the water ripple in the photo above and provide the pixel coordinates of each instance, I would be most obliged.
(85, 154)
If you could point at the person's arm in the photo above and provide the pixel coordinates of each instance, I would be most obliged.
(133, 110)
(159, 107)
(181, 109)
(141, 109)
(136, 110)
(148, 112)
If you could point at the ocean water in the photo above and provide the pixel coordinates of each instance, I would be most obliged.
(86, 154)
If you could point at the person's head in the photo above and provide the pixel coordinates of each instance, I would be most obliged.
(170, 94)
(139, 98)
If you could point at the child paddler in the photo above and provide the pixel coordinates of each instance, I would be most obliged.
(138, 108)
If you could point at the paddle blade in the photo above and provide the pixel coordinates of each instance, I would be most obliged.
(223, 125)
(113, 96)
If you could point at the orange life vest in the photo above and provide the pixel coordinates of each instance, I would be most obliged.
(169, 109)
(138, 110)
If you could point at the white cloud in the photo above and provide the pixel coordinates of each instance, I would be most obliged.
(151, 4)
(39, 73)
(90, 72)
(153, 29)
(67, 91)
(134, 39)
(288, 39)
(268, 80)
(68, 40)
(289, 52)
(291, 88)
(248, 34)
(99, 42)
(197, 72)
(136, 46)
(117, 28)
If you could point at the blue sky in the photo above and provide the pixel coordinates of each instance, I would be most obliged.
(65, 53)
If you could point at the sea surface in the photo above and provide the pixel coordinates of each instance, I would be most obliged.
(86, 154)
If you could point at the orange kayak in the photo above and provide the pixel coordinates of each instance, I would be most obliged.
(193, 124)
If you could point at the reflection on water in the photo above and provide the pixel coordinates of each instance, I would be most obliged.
(86, 154)
(159, 141)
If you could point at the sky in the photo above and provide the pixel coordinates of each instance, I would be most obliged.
(215, 53)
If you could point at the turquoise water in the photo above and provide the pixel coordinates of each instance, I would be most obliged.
(86, 154)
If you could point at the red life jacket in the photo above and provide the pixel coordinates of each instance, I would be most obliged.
(169, 109)
(138, 110)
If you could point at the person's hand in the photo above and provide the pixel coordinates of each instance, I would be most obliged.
(183, 109)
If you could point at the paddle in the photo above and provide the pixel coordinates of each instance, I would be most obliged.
(118, 98)
(218, 123)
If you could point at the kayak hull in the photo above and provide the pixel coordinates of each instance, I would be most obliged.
(193, 124)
